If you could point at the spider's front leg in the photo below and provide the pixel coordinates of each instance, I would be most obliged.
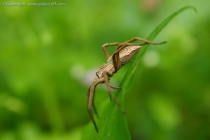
(142, 40)
(108, 45)
(91, 95)
(129, 43)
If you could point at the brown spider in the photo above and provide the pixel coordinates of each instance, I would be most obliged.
(123, 53)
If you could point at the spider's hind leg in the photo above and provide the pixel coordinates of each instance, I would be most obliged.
(114, 87)
(106, 79)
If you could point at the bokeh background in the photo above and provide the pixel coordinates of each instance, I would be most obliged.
(49, 55)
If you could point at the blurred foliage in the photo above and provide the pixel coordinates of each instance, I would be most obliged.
(48, 56)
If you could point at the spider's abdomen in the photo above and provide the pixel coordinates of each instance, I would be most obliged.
(127, 53)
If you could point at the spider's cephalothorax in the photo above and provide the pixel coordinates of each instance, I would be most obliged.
(123, 53)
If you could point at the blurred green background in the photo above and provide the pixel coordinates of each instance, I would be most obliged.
(49, 55)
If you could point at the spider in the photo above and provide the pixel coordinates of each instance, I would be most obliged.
(123, 54)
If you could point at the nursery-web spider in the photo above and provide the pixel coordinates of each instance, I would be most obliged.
(123, 53)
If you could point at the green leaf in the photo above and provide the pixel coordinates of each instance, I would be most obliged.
(112, 123)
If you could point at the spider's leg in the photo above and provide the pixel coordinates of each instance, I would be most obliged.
(116, 61)
(91, 92)
(106, 79)
(143, 40)
(115, 87)
(94, 107)
(116, 58)
(125, 44)
(116, 54)
(107, 45)
(90, 100)
(129, 43)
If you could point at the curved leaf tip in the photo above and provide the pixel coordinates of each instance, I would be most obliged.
(192, 7)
